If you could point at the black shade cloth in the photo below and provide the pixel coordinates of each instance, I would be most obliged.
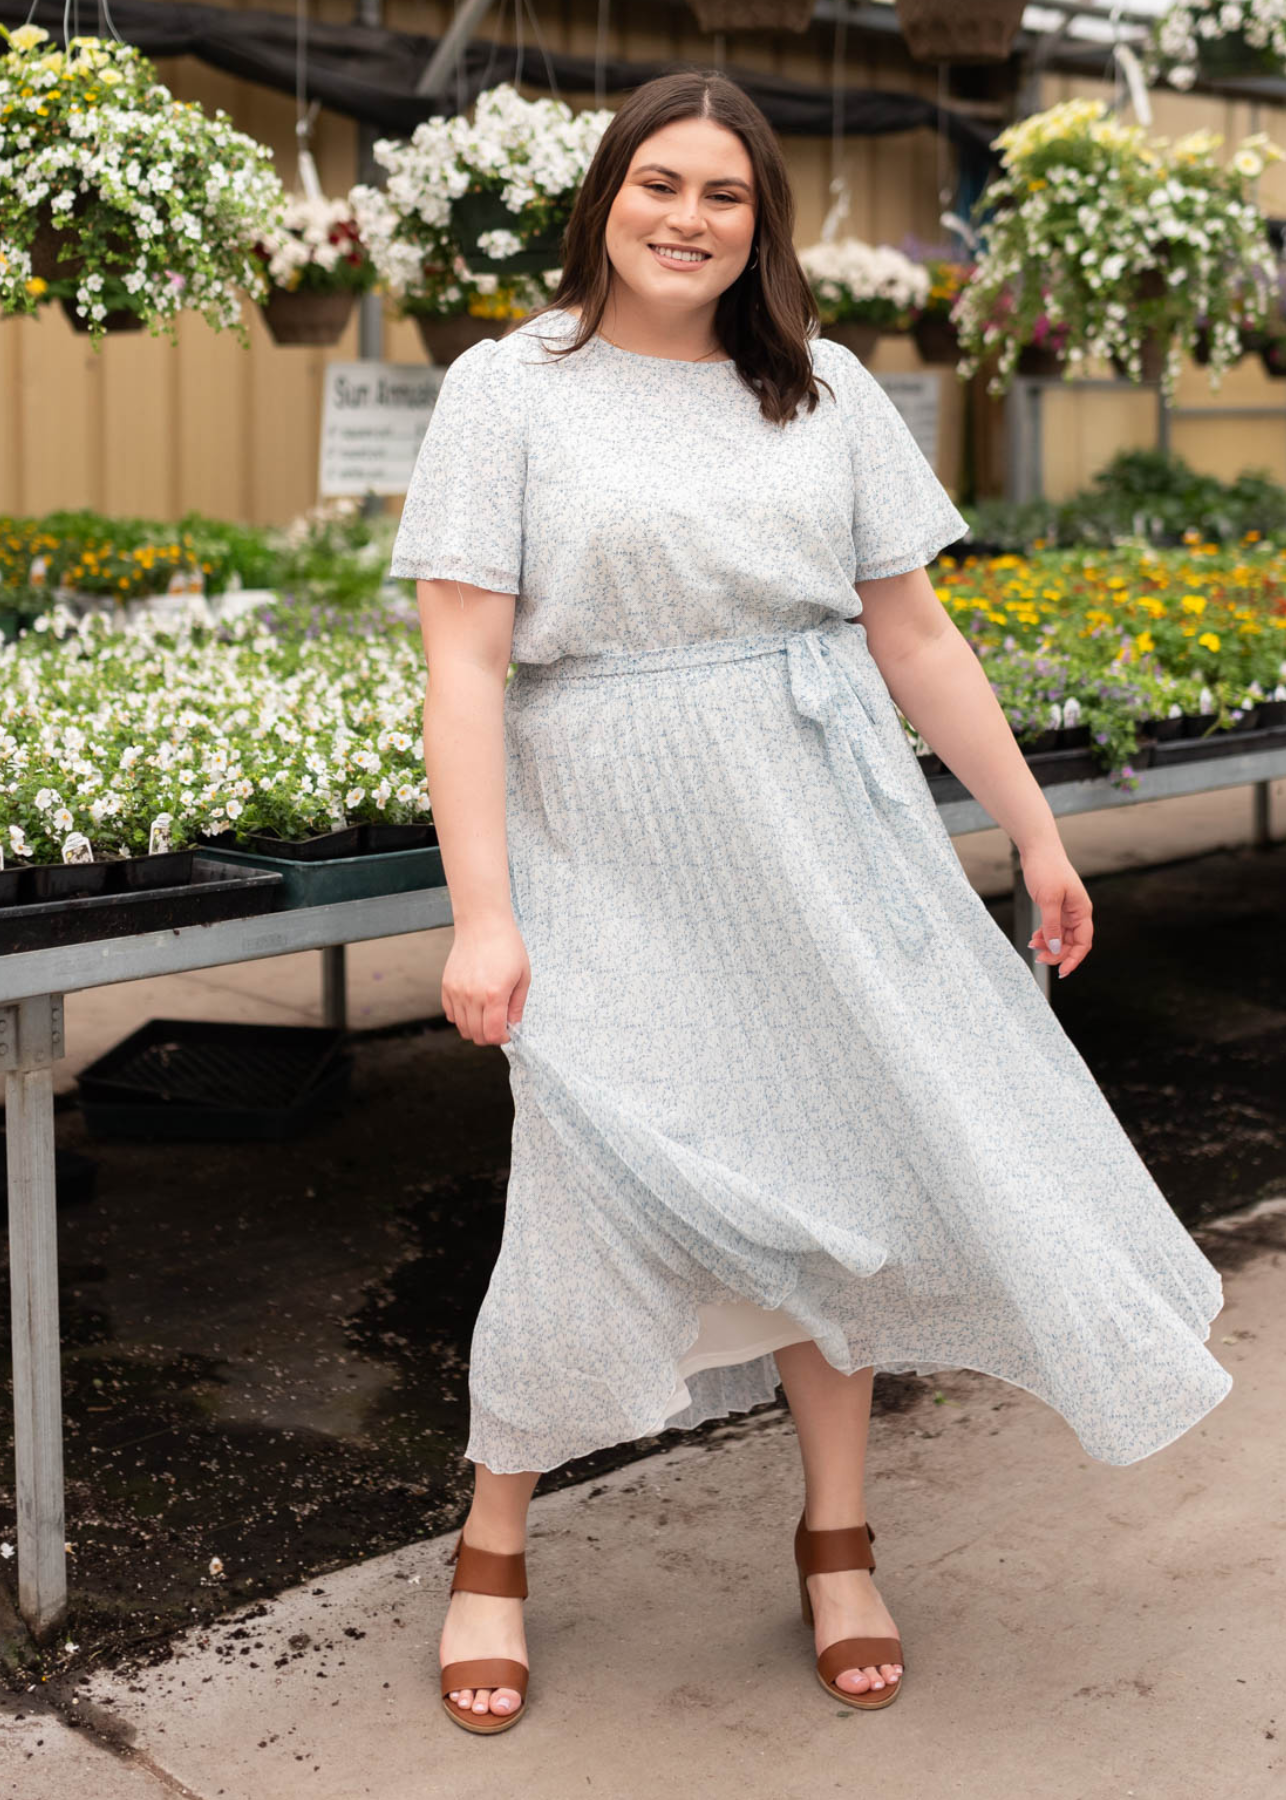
(370, 75)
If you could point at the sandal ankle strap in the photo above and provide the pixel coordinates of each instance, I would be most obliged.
(489, 1571)
(826, 1552)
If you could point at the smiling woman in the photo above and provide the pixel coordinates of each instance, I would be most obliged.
(781, 1083)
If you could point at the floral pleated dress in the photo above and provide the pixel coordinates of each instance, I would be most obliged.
(780, 1075)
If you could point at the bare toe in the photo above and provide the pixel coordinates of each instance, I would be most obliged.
(463, 1696)
(853, 1681)
(505, 1700)
(889, 1672)
(482, 1700)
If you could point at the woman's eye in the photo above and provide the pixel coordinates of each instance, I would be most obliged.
(660, 187)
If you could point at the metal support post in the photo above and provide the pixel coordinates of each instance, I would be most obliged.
(1026, 919)
(31, 1041)
(335, 987)
(1261, 800)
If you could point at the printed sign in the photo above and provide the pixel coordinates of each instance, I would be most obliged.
(374, 416)
(917, 396)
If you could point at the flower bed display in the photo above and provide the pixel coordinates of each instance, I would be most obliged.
(293, 721)
(1111, 645)
(117, 200)
(1133, 246)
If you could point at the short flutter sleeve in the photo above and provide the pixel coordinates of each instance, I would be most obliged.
(462, 517)
(902, 514)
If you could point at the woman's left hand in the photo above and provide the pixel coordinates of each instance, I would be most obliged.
(1066, 928)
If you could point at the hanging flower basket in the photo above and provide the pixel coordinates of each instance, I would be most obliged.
(936, 338)
(1126, 244)
(1218, 40)
(861, 339)
(510, 175)
(315, 264)
(113, 155)
(753, 15)
(446, 336)
(960, 30)
(477, 215)
(114, 319)
(1040, 359)
(301, 316)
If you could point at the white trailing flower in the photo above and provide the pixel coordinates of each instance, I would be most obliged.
(846, 271)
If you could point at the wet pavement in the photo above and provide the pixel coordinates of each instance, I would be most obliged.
(266, 1346)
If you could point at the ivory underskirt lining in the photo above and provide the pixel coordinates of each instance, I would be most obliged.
(733, 1331)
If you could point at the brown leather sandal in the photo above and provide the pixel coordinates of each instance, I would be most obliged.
(823, 1553)
(486, 1572)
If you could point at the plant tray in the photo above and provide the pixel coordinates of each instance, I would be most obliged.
(343, 877)
(1219, 743)
(215, 892)
(197, 1078)
(74, 1176)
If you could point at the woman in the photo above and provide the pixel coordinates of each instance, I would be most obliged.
(787, 1103)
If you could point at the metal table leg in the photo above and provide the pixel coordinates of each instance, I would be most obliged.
(1261, 831)
(31, 1040)
(335, 987)
(1026, 919)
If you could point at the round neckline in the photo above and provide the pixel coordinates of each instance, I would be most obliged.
(678, 362)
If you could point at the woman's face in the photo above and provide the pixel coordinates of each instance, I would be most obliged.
(691, 186)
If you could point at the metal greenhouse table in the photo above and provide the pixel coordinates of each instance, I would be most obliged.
(32, 986)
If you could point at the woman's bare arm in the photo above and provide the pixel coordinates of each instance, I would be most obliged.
(942, 688)
(468, 643)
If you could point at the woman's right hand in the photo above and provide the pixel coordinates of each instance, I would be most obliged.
(485, 981)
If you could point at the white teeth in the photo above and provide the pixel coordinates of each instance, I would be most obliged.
(680, 255)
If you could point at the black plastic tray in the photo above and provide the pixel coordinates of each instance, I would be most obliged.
(215, 1124)
(1219, 743)
(213, 1063)
(201, 1078)
(216, 891)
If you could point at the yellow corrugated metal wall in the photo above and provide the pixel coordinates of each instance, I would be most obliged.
(149, 428)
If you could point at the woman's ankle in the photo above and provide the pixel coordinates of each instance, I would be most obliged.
(502, 1534)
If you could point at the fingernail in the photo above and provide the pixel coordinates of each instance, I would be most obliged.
(1056, 945)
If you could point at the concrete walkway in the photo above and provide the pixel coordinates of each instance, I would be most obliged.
(1071, 1631)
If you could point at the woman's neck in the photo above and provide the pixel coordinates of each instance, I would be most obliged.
(683, 336)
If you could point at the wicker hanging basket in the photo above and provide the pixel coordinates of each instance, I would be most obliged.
(753, 15)
(960, 31)
(446, 336)
(117, 319)
(936, 339)
(299, 317)
(854, 334)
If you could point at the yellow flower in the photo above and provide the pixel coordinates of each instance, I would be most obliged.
(37, 285)
(1210, 639)
(1143, 642)
(1193, 603)
(26, 37)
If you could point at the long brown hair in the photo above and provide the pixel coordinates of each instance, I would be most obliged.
(766, 316)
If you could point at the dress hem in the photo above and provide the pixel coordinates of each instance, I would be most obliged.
(890, 1364)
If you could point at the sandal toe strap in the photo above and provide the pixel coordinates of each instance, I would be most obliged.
(485, 1672)
(857, 1653)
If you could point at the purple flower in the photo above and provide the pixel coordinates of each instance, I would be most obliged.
(1100, 737)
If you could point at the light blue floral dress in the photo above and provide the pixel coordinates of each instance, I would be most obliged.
(780, 1075)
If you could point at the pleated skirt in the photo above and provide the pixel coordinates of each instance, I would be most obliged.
(781, 1077)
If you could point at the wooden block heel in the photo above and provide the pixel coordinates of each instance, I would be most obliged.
(486, 1572)
(823, 1553)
